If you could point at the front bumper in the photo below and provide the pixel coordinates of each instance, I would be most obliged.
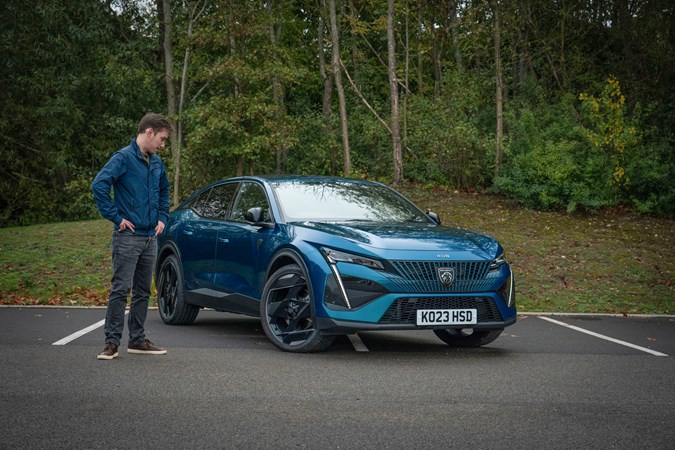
(336, 326)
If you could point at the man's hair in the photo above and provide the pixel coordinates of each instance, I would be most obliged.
(154, 121)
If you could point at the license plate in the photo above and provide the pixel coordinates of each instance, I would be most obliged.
(447, 316)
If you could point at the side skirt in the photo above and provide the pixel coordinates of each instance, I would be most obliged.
(221, 301)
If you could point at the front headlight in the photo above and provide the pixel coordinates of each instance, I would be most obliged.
(335, 256)
(350, 292)
(498, 262)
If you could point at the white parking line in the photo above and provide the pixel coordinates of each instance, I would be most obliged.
(82, 332)
(358, 344)
(602, 336)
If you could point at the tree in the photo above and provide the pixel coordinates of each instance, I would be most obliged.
(240, 80)
(393, 86)
(69, 97)
(172, 109)
(337, 74)
(499, 84)
(328, 80)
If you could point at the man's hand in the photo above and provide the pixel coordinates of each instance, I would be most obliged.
(126, 225)
(159, 229)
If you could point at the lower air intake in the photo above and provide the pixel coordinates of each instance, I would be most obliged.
(404, 310)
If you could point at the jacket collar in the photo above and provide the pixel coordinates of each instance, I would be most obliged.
(139, 153)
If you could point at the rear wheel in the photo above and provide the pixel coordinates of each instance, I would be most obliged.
(468, 337)
(170, 296)
(287, 314)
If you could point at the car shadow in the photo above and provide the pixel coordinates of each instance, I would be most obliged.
(224, 325)
(422, 342)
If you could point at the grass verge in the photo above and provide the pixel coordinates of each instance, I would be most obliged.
(608, 262)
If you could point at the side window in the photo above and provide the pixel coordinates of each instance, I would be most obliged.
(215, 203)
(199, 205)
(251, 195)
(221, 199)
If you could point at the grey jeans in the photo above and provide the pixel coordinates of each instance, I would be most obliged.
(133, 259)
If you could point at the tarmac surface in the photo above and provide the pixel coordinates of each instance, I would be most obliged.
(549, 381)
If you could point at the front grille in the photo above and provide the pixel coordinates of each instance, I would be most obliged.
(404, 310)
(422, 276)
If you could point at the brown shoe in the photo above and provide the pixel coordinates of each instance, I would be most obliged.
(109, 352)
(146, 348)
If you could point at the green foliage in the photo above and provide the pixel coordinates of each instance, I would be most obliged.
(77, 199)
(642, 162)
(550, 165)
(598, 157)
(609, 132)
(651, 167)
(76, 76)
(445, 134)
(71, 74)
(316, 152)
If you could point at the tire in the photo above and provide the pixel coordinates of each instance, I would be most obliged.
(287, 312)
(473, 338)
(170, 296)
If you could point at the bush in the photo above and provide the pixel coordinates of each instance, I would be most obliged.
(449, 149)
(549, 163)
(558, 157)
(78, 198)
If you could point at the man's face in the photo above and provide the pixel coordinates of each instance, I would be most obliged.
(157, 140)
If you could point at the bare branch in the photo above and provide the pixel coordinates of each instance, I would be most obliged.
(365, 102)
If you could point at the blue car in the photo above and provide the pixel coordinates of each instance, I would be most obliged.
(318, 257)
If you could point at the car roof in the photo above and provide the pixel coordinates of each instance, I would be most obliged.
(304, 178)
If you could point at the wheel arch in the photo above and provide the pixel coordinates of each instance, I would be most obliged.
(316, 340)
(283, 258)
(169, 248)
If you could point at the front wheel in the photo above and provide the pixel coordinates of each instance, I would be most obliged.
(287, 315)
(170, 296)
(468, 338)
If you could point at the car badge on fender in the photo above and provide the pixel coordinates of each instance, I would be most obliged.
(446, 275)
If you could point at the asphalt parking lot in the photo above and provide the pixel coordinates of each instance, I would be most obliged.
(548, 381)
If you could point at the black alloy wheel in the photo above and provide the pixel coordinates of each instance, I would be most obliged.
(468, 337)
(170, 297)
(287, 315)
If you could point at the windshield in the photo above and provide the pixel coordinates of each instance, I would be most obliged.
(338, 201)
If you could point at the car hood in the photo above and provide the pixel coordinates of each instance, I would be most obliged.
(410, 237)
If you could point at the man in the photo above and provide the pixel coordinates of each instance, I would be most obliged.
(139, 213)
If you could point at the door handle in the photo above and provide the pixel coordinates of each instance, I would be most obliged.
(188, 232)
(224, 240)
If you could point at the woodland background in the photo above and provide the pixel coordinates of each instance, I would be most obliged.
(557, 104)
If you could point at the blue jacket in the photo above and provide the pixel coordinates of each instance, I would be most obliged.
(141, 190)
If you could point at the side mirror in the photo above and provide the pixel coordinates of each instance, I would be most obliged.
(256, 216)
(433, 216)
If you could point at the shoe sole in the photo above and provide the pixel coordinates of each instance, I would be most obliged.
(146, 352)
(108, 357)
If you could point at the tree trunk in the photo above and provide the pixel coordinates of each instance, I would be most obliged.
(277, 88)
(328, 81)
(240, 166)
(335, 64)
(499, 86)
(420, 33)
(178, 144)
(171, 96)
(393, 88)
(452, 11)
(406, 75)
